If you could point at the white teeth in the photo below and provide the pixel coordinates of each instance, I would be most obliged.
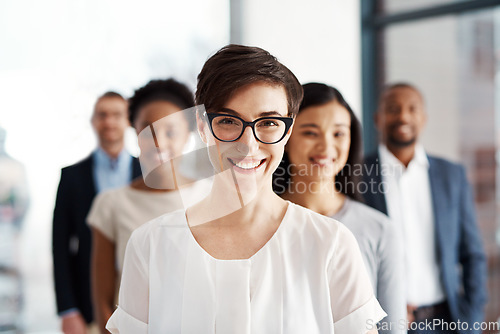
(404, 128)
(323, 161)
(247, 165)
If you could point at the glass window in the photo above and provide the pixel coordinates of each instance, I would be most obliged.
(397, 6)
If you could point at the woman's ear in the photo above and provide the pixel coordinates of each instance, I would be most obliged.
(287, 137)
(201, 126)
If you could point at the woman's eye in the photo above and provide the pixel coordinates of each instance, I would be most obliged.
(339, 134)
(309, 134)
(268, 123)
(226, 121)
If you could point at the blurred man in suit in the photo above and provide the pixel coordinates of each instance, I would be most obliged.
(109, 166)
(430, 201)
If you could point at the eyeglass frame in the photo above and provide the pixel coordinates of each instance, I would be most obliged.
(287, 120)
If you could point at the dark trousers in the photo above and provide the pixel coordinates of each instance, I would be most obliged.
(438, 323)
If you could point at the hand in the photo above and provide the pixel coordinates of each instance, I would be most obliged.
(74, 324)
(410, 309)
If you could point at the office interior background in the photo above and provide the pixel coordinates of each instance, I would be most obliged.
(56, 57)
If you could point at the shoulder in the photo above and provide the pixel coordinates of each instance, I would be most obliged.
(76, 176)
(450, 173)
(79, 167)
(156, 235)
(318, 229)
(445, 165)
(112, 196)
(376, 224)
(152, 229)
(366, 215)
(306, 219)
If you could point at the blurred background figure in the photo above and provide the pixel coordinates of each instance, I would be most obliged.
(430, 202)
(321, 171)
(14, 200)
(109, 166)
(161, 113)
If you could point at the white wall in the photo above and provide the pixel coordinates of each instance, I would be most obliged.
(319, 40)
(425, 53)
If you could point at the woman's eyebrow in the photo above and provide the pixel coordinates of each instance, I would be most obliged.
(262, 114)
(229, 111)
(270, 113)
(309, 125)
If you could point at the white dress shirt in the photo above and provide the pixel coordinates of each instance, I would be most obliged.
(409, 204)
(111, 173)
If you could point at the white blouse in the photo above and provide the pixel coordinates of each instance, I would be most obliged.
(308, 278)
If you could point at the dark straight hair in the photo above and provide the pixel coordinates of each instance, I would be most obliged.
(349, 177)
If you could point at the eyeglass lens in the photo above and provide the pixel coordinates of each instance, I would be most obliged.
(229, 128)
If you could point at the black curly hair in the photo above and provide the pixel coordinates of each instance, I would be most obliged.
(169, 90)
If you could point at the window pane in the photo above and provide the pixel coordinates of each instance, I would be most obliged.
(397, 6)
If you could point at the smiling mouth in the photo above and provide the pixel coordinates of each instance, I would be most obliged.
(402, 128)
(322, 162)
(247, 165)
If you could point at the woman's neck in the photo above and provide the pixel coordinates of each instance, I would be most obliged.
(318, 195)
(229, 209)
(139, 184)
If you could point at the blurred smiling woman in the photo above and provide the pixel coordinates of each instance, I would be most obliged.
(320, 171)
(243, 260)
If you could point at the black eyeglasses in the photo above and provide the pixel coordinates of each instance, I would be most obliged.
(267, 130)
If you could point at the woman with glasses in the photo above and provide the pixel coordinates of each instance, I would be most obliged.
(243, 260)
(154, 108)
(321, 170)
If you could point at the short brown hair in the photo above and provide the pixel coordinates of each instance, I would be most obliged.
(235, 66)
(111, 94)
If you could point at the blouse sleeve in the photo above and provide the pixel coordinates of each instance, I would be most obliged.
(100, 215)
(131, 316)
(354, 307)
(390, 278)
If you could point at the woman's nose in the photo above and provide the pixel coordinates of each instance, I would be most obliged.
(326, 145)
(248, 139)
